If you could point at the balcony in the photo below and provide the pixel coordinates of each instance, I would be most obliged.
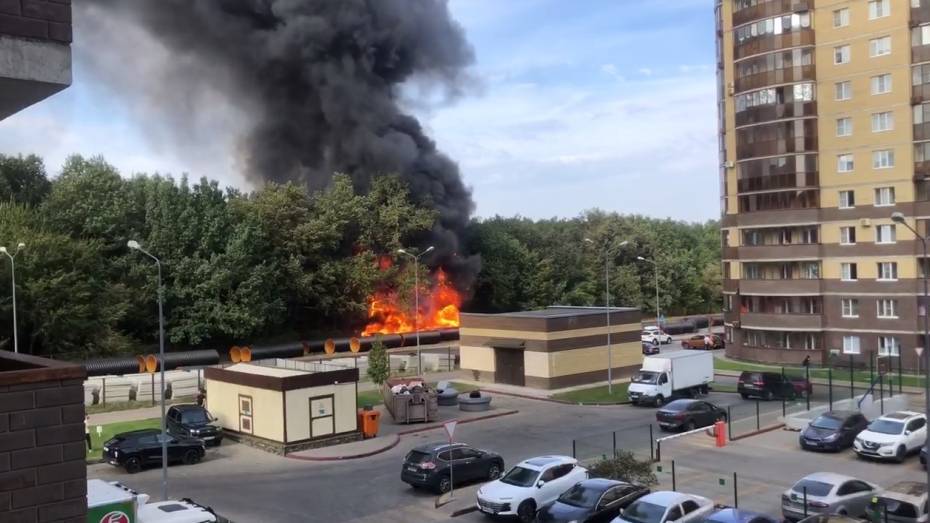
(775, 77)
(780, 287)
(779, 252)
(731, 317)
(920, 93)
(764, 10)
(798, 144)
(767, 113)
(921, 170)
(921, 131)
(781, 321)
(768, 43)
(920, 53)
(919, 15)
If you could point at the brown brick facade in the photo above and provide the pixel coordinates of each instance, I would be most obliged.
(39, 19)
(43, 473)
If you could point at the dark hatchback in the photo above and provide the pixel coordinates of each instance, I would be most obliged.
(194, 421)
(765, 385)
(835, 430)
(437, 465)
(689, 415)
(735, 515)
(594, 500)
(650, 348)
(140, 448)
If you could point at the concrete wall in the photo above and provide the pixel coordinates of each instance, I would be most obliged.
(298, 411)
(267, 408)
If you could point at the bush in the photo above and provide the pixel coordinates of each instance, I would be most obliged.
(624, 467)
(379, 363)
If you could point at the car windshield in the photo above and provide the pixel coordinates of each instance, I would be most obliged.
(416, 457)
(814, 488)
(827, 422)
(886, 426)
(645, 377)
(896, 508)
(194, 416)
(580, 496)
(677, 406)
(644, 512)
(520, 477)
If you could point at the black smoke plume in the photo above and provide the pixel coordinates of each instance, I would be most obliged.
(315, 84)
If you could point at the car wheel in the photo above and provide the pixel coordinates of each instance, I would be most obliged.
(444, 485)
(690, 426)
(842, 512)
(494, 471)
(526, 512)
(133, 465)
(744, 395)
(900, 454)
(190, 457)
(660, 400)
(767, 396)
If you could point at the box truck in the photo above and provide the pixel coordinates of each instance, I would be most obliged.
(670, 375)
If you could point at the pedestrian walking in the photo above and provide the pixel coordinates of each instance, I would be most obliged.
(87, 431)
(807, 361)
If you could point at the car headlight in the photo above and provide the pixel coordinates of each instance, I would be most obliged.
(831, 437)
(195, 432)
(886, 445)
(859, 441)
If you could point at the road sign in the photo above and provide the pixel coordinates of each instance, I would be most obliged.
(919, 351)
(99, 430)
(450, 428)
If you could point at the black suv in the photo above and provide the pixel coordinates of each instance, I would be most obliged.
(430, 465)
(138, 448)
(194, 421)
(765, 385)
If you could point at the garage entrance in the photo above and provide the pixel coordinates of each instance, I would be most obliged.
(508, 365)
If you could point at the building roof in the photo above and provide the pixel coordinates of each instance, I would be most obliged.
(565, 311)
(262, 370)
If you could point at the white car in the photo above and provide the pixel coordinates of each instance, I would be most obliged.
(892, 436)
(827, 493)
(665, 507)
(655, 336)
(529, 485)
(183, 511)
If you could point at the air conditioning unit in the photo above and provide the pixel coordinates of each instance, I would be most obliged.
(728, 165)
(865, 222)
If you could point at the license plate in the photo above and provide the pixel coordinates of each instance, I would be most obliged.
(664, 424)
(209, 437)
(487, 510)
(412, 469)
(113, 462)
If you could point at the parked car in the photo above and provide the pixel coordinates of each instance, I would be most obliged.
(194, 421)
(529, 485)
(650, 349)
(765, 385)
(689, 415)
(698, 341)
(655, 337)
(892, 436)
(802, 386)
(832, 518)
(903, 502)
(665, 506)
(180, 511)
(139, 448)
(827, 493)
(437, 465)
(923, 456)
(834, 430)
(735, 515)
(591, 501)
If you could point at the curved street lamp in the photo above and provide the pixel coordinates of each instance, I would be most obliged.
(656, 270)
(20, 246)
(416, 297)
(610, 366)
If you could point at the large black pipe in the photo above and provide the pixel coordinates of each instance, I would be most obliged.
(110, 366)
(280, 351)
(191, 358)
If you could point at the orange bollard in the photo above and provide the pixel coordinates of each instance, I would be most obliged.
(720, 432)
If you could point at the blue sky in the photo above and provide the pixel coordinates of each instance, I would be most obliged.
(575, 105)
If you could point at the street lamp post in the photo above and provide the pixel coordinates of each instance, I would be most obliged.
(899, 219)
(416, 298)
(656, 270)
(610, 366)
(12, 258)
(133, 244)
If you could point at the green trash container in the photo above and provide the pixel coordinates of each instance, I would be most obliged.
(108, 503)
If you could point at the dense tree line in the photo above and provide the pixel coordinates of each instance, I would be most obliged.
(281, 262)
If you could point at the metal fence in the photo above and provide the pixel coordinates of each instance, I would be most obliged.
(640, 440)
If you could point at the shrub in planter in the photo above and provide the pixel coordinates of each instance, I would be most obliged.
(624, 467)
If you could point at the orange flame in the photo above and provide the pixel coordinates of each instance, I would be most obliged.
(439, 309)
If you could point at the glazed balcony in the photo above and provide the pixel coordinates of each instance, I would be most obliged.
(781, 321)
(777, 287)
(767, 9)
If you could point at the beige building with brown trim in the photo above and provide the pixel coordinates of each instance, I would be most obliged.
(550, 348)
(824, 110)
(284, 410)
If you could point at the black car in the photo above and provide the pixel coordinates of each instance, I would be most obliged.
(735, 515)
(833, 430)
(650, 348)
(435, 466)
(689, 415)
(591, 501)
(765, 385)
(139, 448)
(923, 456)
(194, 421)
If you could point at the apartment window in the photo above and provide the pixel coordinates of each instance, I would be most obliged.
(851, 345)
(842, 90)
(881, 84)
(888, 346)
(841, 55)
(920, 35)
(841, 17)
(808, 236)
(848, 272)
(750, 271)
(879, 9)
(887, 309)
(880, 46)
(850, 307)
(847, 199)
(883, 159)
(845, 163)
(884, 196)
(885, 234)
(844, 126)
(887, 271)
(883, 121)
(810, 271)
(847, 235)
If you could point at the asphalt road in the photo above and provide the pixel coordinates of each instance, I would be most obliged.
(249, 485)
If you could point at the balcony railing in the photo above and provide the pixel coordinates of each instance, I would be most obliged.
(765, 10)
(919, 15)
(773, 147)
(767, 113)
(920, 53)
(777, 287)
(776, 77)
(781, 321)
(779, 252)
(768, 43)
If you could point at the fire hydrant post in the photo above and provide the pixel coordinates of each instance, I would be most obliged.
(721, 433)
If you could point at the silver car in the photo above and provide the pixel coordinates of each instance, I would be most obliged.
(827, 493)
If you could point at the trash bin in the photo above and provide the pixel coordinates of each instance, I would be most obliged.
(368, 422)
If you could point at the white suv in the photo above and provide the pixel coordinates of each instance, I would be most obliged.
(530, 485)
(654, 336)
(892, 436)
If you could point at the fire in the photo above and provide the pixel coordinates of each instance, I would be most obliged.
(439, 309)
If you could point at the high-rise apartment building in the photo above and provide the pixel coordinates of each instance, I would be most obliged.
(824, 111)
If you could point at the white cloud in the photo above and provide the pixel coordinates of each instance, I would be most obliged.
(645, 71)
(611, 71)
